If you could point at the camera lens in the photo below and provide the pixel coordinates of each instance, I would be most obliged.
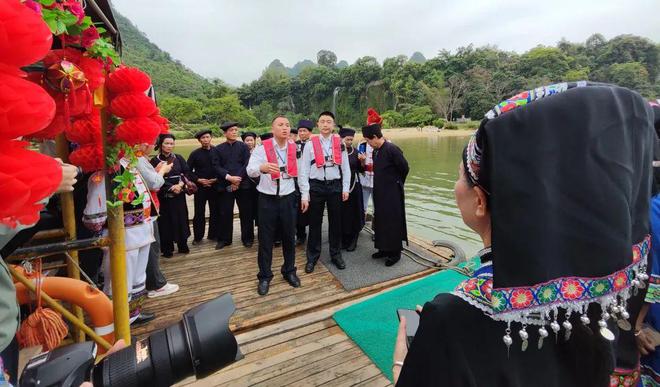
(198, 345)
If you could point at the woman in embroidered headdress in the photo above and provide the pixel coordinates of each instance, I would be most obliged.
(556, 181)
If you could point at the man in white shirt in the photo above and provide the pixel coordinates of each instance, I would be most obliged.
(324, 178)
(274, 163)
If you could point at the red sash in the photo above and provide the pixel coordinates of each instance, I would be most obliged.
(319, 157)
(291, 160)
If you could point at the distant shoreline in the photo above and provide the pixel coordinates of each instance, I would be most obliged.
(392, 134)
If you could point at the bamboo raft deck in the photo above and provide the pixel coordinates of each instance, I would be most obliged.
(288, 337)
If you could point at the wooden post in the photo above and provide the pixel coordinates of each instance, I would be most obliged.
(69, 222)
(117, 236)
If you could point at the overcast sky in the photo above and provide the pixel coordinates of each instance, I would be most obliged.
(234, 40)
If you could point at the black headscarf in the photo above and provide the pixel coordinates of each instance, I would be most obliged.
(568, 172)
(161, 138)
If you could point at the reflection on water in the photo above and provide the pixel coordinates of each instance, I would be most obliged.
(430, 206)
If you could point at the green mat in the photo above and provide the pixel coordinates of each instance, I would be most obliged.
(373, 324)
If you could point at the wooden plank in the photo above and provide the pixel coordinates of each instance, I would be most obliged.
(365, 373)
(332, 373)
(377, 381)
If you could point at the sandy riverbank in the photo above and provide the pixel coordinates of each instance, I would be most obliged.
(392, 134)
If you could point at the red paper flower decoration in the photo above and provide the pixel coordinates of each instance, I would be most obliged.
(25, 107)
(373, 117)
(56, 56)
(85, 130)
(134, 131)
(131, 105)
(41, 173)
(128, 79)
(89, 157)
(24, 36)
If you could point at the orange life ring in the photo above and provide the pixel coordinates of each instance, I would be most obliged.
(97, 305)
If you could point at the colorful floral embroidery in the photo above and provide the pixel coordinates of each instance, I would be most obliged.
(624, 377)
(571, 289)
(498, 303)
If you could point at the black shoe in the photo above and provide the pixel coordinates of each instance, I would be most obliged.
(339, 262)
(292, 279)
(168, 255)
(353, 245)
(309, 267)
(212, 238)
(184, 250)
(262, 288)
(301, 241)
(143, 318)
(248, 244)
(221, 244)
(196, 242)
(393, 259)
(379, 254)
(277, 243)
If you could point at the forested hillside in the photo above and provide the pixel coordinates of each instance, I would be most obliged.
(411, 91)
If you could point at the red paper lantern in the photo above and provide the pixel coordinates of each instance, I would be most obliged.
(134, 131)
(57, 126)
(93, 70)
(162, 122)
(89, 157)
(14, 195)
(80, 101)
(25, 107)
(128, 79)
(24, 36)
(85, 130)
(131, 105)
(41, 173)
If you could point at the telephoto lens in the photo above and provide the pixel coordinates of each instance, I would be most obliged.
(200, 344)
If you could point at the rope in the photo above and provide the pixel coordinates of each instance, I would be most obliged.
(44, 326)
(467, 270)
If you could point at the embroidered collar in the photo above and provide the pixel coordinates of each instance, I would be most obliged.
(533, 304)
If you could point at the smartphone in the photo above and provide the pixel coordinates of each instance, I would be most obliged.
(412, 323)
(362, 148)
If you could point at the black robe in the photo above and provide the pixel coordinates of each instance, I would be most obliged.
(390, 172)
(457, 345)
(352, 211)
(173, 220)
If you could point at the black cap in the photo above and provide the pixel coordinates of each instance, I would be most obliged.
(307, 124)
(228, 125)
(248, 134)
(266, 136)
(202, 132)
(293, 130)
(344, 132)
(372, 130)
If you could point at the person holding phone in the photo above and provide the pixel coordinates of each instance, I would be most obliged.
(565, 238)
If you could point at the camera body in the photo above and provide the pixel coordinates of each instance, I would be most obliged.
(200, 344)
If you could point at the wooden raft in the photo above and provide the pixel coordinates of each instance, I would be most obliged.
(288, 336)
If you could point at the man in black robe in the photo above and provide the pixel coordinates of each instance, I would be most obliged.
(229, 161)
(305, 128)
(390, 172)
(352, 210)
(203, 174)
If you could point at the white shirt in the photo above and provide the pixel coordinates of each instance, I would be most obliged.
(308, 170)
(266, 184)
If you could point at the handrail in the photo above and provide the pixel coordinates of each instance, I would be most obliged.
(57, 248)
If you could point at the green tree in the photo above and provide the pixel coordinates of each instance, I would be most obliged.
(326, 58)
(181, 110)
(228, 108)
(632, 75)
(392, 119)
(547, 62)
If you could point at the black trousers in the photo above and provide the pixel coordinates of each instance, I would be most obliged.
(204, 195)
(155, 277)
(245, 212)
(320, 194)
(301, 222)
(276, 214)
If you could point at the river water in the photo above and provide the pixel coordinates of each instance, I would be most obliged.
(430, 207)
